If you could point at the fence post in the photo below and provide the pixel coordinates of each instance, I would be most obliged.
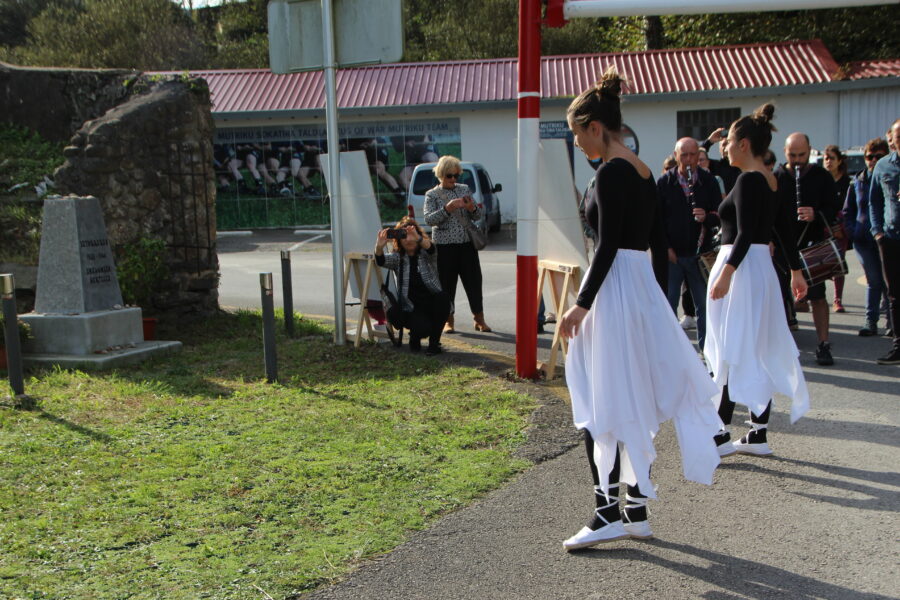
(11, 334)
(268, 315)
(288, 292)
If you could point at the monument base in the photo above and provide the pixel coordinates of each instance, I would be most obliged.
(83, 333)
(102, 361)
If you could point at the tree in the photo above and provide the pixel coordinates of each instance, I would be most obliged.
(134, 34)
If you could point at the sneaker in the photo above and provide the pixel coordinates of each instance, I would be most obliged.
(869, 330)
(688, 322)
(312, 192)
(591, 537)
(889, 332)
(823, 354)
(754, 442)
(634, 518)
(743, 446)
(382, 327)
(724, 444)
(838, 307)
(891, 358)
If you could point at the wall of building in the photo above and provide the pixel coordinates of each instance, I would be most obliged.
(489, 135)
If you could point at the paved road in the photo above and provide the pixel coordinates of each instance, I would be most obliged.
(242, 258)
(817, 520)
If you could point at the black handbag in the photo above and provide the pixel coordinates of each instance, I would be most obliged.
(392, 309)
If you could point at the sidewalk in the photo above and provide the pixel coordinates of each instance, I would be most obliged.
(817, 520)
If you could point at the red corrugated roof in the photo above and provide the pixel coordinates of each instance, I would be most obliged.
(456, 82)
(868, 69)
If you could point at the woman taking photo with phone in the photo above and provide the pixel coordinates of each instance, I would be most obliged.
(423, 306)
(749, 346)
(629, 366)
(448, 208)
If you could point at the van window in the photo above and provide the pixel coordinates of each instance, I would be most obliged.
(425, 180)
(485, 182)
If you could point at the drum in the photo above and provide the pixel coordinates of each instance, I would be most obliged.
(706, 261)
(821, 262)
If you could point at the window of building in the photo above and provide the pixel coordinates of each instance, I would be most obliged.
(698, 124)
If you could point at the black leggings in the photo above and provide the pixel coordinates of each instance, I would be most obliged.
(726, 410)
(633, 490)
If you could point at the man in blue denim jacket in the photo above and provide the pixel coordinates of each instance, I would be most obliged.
(859, 230)
(884, 214)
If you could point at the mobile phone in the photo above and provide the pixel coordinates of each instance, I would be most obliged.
(396, 234)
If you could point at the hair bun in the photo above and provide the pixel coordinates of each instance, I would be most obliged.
(765, 113)
(611, 82)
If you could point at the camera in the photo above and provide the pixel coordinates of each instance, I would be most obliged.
(396, 234)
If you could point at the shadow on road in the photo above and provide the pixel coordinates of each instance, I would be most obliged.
(747, 578)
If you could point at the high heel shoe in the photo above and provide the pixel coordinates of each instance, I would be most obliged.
(480, 325)
(448, 326)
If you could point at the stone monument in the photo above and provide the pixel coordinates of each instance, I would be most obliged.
(78, 318)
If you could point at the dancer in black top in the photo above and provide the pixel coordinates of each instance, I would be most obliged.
(749, 345)
(629, 366)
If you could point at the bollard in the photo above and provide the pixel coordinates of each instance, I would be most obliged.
(268, 315)
(287, 291)
(11, 334)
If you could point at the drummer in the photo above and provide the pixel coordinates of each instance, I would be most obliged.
(689, 197)
(815, 209)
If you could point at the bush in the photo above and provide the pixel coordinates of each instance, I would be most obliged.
(25, 157)
(141, 268)
(20, 222)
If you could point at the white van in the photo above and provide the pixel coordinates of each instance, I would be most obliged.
(484, 192)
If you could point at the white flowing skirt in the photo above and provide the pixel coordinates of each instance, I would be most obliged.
(748, 343)
(630, 368)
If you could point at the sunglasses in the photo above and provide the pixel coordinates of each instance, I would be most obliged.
(874, 156)
(453, 175)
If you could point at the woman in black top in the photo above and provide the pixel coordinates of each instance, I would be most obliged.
(835, 162)
(629, 366)
(422, 305)
(748, 344)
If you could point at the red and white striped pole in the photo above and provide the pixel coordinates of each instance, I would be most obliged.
(529, 101)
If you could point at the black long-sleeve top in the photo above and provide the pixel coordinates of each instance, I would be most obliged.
(817, 190)
(624, 212)
(750, 215)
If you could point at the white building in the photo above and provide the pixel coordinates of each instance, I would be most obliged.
(469, 107)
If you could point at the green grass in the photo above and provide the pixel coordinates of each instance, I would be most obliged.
(189, 477)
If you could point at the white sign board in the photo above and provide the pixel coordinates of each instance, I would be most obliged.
(560, 233)
(360, 222)
(365, 32)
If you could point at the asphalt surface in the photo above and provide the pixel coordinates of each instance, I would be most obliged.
(818, 520)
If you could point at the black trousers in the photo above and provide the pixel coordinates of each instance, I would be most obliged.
(460, 261)
(890, 264)
(428, 318)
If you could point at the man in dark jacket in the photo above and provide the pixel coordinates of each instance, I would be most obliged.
(815, 209)
(689, 197)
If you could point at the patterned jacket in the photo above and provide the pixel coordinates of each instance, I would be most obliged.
(446, 227)
(399, 263)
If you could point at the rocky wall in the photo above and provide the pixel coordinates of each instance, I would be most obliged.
(55, 102)
(149, 162)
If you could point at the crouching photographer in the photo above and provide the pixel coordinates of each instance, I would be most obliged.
(421, 307)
